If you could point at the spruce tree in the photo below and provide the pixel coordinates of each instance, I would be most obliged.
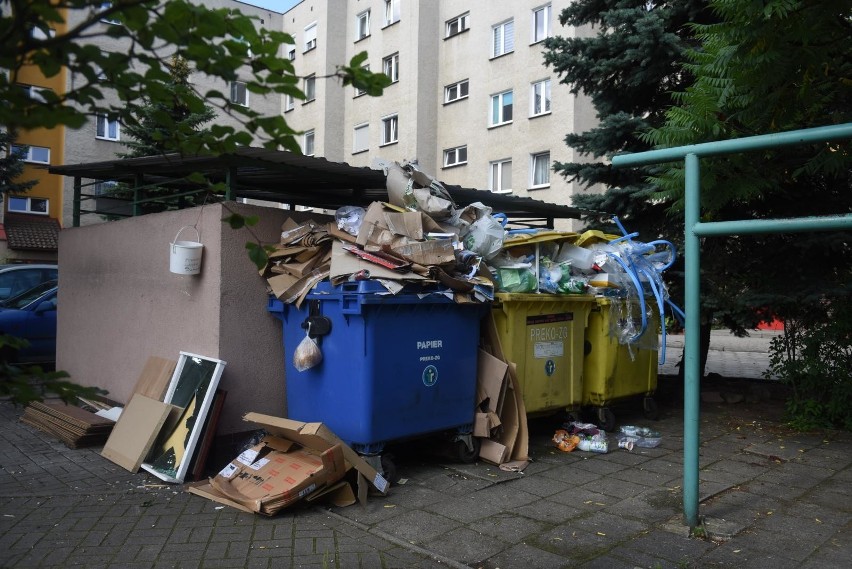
(158, 127)
(11, 167)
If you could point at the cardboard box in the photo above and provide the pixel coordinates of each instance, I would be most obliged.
(295, 461)
(278, 472)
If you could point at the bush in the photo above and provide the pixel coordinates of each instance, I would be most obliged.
(815, 359)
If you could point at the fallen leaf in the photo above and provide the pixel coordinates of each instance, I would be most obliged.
(601, 533)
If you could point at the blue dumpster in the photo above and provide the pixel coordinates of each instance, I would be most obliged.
(393, 366)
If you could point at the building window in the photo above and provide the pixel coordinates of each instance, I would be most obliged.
(289, 102)
(501, 108)
(456, 91)
(291, 55)
(390, 129)
(310, 88)
(458, 25)
(503, 38)
(359, 91)
(541, 24)
(239, 93)
(111, 19)
(361, 140)
(455, 156)
(34, 93)
(390, 65)
(310, 37)
(540, 98)
(105, 187)
(28, 205)
(106, 128)
(40, 34)
(540, 170)
(391, 12)
(362, 23)
(500, 177)
(308, 143)
(36, 154)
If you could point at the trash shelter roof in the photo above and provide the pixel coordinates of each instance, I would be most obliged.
(286, 177)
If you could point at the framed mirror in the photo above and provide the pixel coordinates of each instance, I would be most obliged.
(191, 391)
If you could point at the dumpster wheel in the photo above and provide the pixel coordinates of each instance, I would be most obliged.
(466, 454)
(649, 406)
(389, 469)
(606, 419)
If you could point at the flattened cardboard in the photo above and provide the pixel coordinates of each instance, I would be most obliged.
(154, 379)
(493, 452)
(204, 489)
(491, 381)
(319, 437)
(135, 432)
(345, 264)
(434, 252)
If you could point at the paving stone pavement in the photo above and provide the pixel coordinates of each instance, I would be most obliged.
(769, 498)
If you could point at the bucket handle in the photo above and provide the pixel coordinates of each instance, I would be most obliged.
(198, 235)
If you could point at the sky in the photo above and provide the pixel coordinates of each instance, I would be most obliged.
(276, 5)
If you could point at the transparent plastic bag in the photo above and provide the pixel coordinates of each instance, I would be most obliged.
(307, 354)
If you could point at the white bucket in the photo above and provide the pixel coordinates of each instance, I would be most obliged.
(185, 256)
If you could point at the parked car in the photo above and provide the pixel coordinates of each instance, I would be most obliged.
(15, 279)
(32, 317)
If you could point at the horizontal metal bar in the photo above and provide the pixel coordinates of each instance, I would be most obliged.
(751, 226)
(790, 138)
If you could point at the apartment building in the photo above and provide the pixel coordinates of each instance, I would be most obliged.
(101, 137)
(471, 99)
(29, 226)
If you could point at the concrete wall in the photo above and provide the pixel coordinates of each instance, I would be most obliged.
(120, 305)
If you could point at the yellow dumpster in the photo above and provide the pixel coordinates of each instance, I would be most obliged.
(610, 373)
(543, 335)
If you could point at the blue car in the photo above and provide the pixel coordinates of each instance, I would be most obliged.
(31, 316)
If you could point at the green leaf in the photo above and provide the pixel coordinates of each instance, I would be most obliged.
(258, 255)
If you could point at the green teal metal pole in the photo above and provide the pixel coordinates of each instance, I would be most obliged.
(798, 225)
(692, 331)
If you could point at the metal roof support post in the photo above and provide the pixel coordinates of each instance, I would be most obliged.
(137, 183)
(692, 334)
(231, 182)
(78, 195)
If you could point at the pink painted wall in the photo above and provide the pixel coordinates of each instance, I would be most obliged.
(119, 305)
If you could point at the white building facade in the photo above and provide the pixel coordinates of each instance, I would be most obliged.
(471, 99)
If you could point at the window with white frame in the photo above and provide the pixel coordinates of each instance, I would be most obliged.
(289, 102)
(239, 93)
(540, 98)
(540, 170)
(455, 156)
(501, 108)
(500, 176)
(390, 129)
(458, 24)
(39, 206)
(310, 37)
(390, 66)
(362, 25)
(308, 143)
(456, 91)
(36, 154)
(310, 88)
(358, 90)
(361, 138)
(291, 55)
(503, 38)
(111, 19)
(540, 23)
(106, 127)
(391, 11)
(34, 93)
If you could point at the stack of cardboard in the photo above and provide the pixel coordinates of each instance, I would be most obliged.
(294, 461)
(73, 425)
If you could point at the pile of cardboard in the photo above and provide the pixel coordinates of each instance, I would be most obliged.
(73, 425)
(294, 461)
